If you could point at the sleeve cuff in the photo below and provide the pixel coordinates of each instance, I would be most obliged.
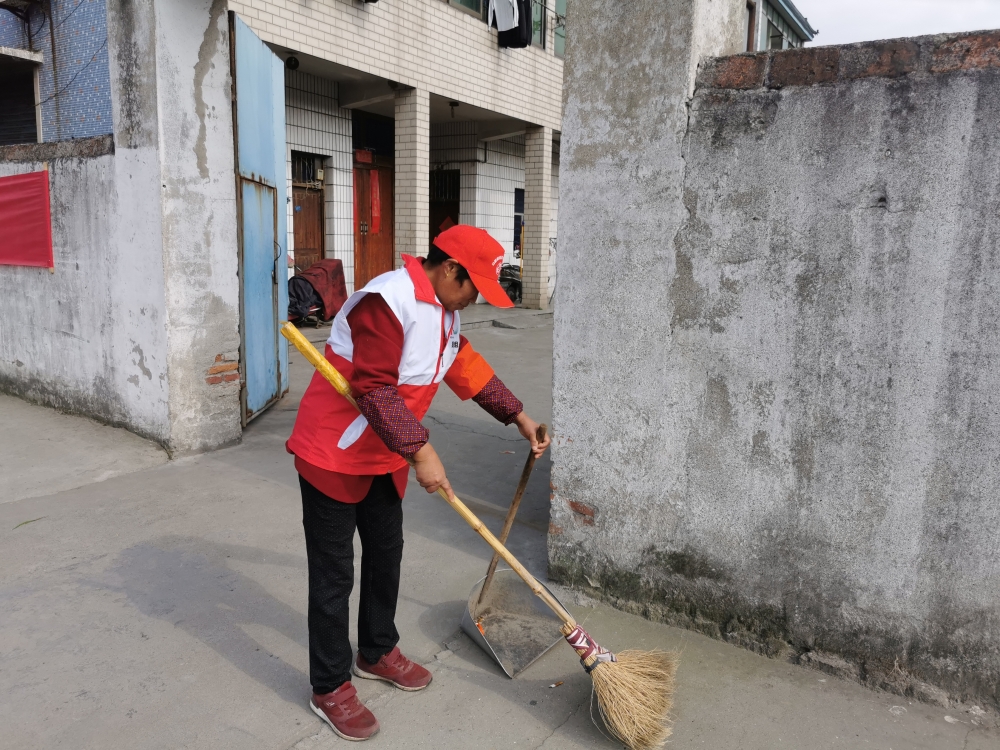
(391, 419)
(497, 400)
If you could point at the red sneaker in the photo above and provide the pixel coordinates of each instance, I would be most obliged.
(346, 715)
(396, 669)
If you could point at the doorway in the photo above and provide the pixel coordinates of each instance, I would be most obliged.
(374, 234)
(445, 192)
(308, 209)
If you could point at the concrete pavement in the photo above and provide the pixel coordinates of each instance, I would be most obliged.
(165, 607)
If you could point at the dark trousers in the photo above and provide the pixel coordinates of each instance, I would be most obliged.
(329, 527)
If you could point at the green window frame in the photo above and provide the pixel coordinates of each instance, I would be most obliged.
(538, 23)
(559, 33)
(473, 7)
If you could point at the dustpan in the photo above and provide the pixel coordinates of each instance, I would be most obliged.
(511, 624)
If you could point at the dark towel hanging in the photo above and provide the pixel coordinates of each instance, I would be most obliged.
(520, 36)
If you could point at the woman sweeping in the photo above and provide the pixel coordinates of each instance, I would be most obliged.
(395, 341)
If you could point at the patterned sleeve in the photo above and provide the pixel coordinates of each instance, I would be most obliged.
(391, 419)
(497, 400)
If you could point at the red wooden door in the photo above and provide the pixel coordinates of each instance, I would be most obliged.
(307, 217)
(374, 235)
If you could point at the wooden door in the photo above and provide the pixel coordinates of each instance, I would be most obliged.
(374, 235)
(307, 216)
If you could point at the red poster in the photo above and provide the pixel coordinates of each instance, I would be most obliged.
(357, 215)
(25, 223)
(376, 226)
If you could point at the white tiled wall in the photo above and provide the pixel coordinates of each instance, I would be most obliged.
(454, 146)
(496, 179)
(316, 124)
(428, 44)
(491, 171)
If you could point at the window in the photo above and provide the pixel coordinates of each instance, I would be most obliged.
(559, 42)
(476, 7)
(775, 39)
(538, 23)
(751, 26)
(18, 117)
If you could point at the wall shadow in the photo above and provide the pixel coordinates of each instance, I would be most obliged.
(186, 582)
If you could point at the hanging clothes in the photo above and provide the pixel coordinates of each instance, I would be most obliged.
(520, 35)
(505, 13)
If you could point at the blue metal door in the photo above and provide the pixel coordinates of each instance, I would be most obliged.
(259, 106)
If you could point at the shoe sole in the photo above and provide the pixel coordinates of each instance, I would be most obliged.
(326, 720)
(369, 676)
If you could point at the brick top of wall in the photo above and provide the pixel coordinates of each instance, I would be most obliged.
(943, 53)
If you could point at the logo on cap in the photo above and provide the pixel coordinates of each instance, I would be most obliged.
(496, 265)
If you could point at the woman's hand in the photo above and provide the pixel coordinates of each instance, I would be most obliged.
(430, 470)
(528, 427)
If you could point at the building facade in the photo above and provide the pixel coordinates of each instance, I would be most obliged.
(197, 152)
(776, 24)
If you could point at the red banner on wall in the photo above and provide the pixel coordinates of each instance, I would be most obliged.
(376, 201)
(25, 222)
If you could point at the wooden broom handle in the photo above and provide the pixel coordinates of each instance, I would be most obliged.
(329, 372)
(529, 464)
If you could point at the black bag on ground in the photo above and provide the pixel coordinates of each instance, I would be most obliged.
(302, 297)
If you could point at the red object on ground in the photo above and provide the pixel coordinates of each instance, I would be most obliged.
(344, 713)
(395, 669)
(327, 278)
(26, 239)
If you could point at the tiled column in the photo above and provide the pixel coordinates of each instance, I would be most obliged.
(413, 162)
(537, 210)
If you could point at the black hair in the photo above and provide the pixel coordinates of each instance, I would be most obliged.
(437, 256)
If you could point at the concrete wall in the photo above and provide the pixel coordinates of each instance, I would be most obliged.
(144, 300)
(91, 337)
(781, 425)
(200, 263)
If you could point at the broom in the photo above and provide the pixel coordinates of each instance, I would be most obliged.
(634, 688)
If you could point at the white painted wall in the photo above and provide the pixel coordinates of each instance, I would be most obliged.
(90, 338)
(316, 124)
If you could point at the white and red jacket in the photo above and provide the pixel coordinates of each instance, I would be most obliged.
(420, 344)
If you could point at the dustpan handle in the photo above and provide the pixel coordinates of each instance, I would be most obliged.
(340, 384)
(480, 528)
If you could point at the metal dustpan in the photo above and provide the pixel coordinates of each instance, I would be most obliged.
(517, 627)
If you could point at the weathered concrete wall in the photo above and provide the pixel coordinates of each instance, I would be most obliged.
(780, 425)
(90, 337)
(200, 260)
(139, 324)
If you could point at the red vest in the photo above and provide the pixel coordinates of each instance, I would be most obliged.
(329, 432)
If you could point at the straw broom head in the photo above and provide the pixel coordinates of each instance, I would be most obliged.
(635, 689)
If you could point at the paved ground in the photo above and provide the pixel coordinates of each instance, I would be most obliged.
(165, 608)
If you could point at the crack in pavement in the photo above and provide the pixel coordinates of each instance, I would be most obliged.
(562, 724)
(463, 428)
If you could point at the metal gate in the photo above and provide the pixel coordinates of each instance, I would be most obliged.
(259, 124)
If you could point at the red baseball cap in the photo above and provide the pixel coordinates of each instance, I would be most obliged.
(480, 255)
